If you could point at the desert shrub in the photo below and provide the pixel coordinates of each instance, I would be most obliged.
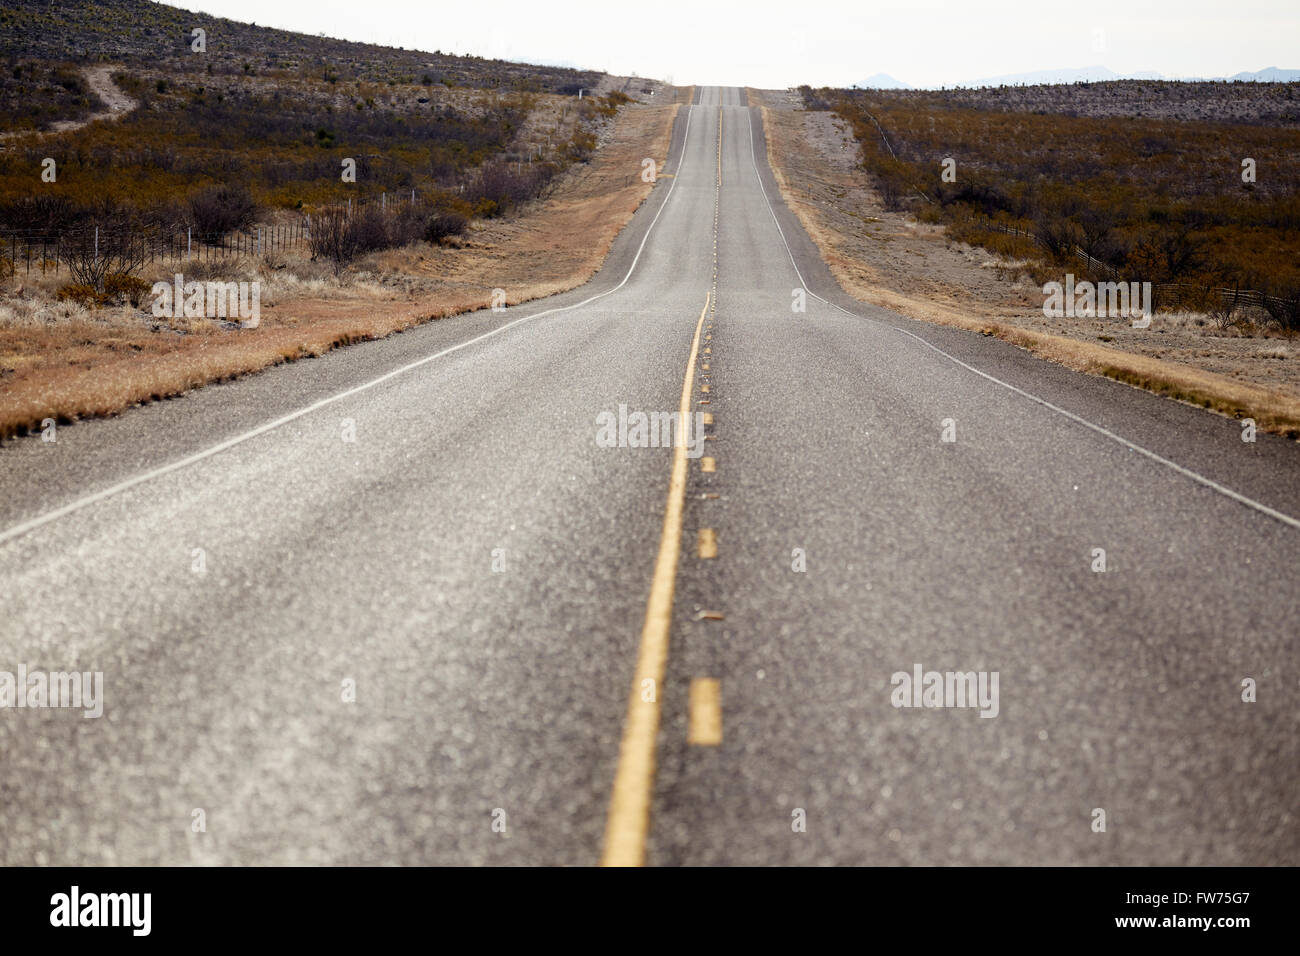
(990, 200)
(580, 146)
(1224, 300)
(218, 210)
(406, 226)
(1058, 237)
(444, 223)
(92, 258)
(1096, 232)
(506, 185)
(608, 104)
(1007, 245)
(70, 80)
(1166, 254)
(123, 287)
(895, 179)
(815, 99)
(1283, 306)
(83, 294)
(332, 238)
(370, 229)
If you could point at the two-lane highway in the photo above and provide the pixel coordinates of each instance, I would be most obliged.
(397, 604)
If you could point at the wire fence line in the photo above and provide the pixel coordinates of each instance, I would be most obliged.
(1230, 299)
(24, 251)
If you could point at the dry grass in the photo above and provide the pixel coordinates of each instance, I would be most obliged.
(845, 245)
(63, 362)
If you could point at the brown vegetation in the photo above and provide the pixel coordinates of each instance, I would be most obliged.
(1156, 199)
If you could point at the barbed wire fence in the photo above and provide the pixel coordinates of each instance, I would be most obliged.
(1229, 299)
(27, 251)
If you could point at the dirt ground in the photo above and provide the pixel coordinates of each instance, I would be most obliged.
(100, 81)
(889, 259)
(62, 361)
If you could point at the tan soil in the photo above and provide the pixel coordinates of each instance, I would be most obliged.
(100, 81)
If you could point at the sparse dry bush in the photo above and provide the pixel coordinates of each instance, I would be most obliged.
(218, 210)
(82, 294)
(92, 258)
(1283, 306)
(333, 239)
(1155, 198)
(126, 289)
(445, 223)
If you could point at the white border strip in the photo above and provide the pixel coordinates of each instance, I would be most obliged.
(1185, 472)
(20, 529)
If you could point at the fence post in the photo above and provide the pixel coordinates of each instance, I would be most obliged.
(97, 243)
(189, 241)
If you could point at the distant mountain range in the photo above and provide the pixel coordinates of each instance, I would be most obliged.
(881, 81)
(1086, 74)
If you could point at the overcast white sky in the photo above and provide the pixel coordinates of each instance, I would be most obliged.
(821, 42)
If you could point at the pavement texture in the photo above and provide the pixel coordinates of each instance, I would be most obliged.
(385, 606)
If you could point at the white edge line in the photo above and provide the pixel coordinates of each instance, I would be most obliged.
(1100, 430)
(31, 524)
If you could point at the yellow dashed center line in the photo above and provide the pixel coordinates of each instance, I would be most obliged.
(705, 713)
(629, 807)
(628, 823)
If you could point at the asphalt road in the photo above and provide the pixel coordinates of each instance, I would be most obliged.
(479, 568)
